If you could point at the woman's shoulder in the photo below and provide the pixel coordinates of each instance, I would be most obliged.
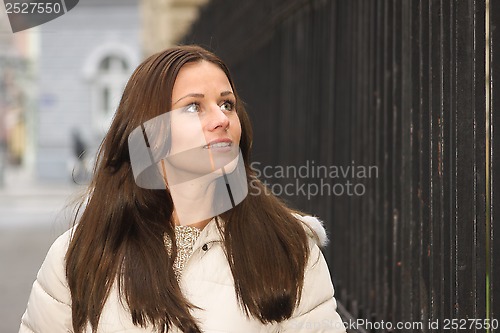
(49, 302)
(52, 274)
(314, 228)
(59, 246)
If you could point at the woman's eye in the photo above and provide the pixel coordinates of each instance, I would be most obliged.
(227, 106)
(193, 108)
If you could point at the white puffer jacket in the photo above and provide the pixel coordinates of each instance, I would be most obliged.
(206, 281)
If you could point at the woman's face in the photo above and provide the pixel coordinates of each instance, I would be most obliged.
(205, 128)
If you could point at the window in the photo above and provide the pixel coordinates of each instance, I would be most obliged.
(109, 83)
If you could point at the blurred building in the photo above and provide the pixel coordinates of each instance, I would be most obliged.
(164, 22)
(86, 57)
(16, 97)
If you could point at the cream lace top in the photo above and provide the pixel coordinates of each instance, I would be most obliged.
(185, 237)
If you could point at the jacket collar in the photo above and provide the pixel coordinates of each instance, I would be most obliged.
(209, 235)
(313, 226)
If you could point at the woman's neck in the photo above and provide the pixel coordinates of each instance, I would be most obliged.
(193, 203)
(199, 225)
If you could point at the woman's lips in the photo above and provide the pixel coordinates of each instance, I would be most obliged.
(219, 145)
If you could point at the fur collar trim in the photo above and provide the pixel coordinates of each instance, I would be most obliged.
(316, 226)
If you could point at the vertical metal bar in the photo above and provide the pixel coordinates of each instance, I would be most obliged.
(366, 228)
(453, 158)
(446, 149)
(494, 165)
(342, 130)
(388, 156)
(435, 96)
(329, 117)
(347, 150)
(341, 288)
(478, 93)
(379, 199)
(488, 163)
(465, 151)
(354, 111)
(357, 110)
(424, 163)
(318, 82)
(415, 234)
(371, 154)
(406, 290)
(396, 167)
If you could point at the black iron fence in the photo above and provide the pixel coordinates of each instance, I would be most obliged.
(381, 116)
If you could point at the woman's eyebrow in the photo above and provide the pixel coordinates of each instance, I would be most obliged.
(190, 95)
(224, 93)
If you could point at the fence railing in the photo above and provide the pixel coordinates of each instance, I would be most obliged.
(394, 100)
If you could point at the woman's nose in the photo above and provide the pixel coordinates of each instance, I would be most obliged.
(218, 119)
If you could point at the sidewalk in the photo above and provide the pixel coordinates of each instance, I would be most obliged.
(26, 202)
(32, 215)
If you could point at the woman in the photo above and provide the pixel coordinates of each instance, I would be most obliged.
(139, 260)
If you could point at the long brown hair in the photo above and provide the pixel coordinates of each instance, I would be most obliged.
(120, 234)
